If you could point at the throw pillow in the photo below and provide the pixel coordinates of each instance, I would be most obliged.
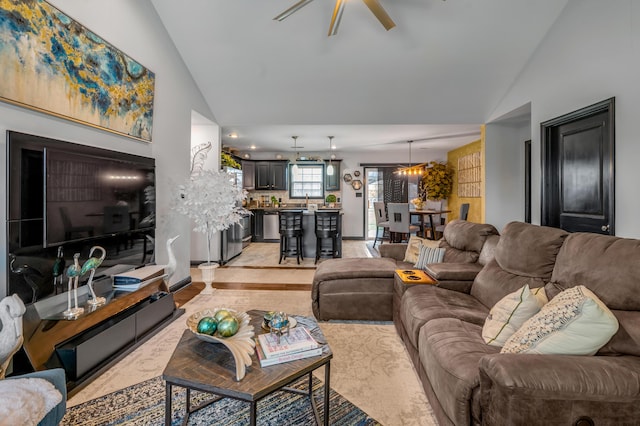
(508, 315)
(413, 249)
(429, 255)
(575, 322)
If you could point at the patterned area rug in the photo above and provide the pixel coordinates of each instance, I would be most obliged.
(143, 404)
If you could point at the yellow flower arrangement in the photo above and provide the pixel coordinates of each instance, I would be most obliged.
(437, 180)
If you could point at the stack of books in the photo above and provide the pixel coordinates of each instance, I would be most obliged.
(297, 344)
(133, 280)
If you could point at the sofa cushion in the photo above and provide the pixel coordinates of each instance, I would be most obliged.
(450, 350)
(422, 303)
(575, 322)
(525, 255)
(429, 255)
(493, 283)
(413, 248)
(510, 313)
(464, 240)
(529, 250)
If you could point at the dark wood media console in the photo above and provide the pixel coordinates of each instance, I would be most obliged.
(85, 347)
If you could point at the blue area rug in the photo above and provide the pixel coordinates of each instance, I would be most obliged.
(143, 404)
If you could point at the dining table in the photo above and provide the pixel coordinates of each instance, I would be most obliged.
(421, 213)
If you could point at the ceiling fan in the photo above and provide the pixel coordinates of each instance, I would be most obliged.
(374, 6)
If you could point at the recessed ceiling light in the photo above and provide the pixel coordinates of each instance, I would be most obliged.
(252, 147)
(233, 135)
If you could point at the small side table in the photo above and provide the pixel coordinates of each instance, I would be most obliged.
(402, 280)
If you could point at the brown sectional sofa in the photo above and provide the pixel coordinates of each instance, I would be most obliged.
(363, 288)
(471, 383)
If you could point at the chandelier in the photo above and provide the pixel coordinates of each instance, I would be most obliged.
(330, 166)
(411, 169)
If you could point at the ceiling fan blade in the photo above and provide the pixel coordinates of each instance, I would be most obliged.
(377, 9)
(336, 17)
(293, 9)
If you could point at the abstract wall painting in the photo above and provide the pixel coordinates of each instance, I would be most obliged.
(53, 64)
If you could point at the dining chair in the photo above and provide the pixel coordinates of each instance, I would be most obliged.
(437, 219)
(381, 220)
(464, 213)
(400, 222)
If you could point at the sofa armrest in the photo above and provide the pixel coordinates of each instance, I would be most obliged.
(393, 250)
(559, 389)
(453, 271)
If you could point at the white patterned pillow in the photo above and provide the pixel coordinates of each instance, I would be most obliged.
(575, 322)
(508, 315)
(429, 255)
(413, 248)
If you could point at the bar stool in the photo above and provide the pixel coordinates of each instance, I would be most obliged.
(327, 227)
(290, 228)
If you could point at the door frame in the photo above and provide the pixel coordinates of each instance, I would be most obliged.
(548, 168)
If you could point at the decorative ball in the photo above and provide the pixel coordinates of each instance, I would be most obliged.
(279, 320)
(222, 313)
(207, 325)
(228, 326)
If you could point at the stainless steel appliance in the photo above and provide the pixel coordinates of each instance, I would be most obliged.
(232, 237)
(246, 230)
(271, 227)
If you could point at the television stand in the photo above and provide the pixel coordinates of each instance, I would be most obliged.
(88, 345)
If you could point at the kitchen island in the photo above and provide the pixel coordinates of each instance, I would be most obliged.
(265, 228)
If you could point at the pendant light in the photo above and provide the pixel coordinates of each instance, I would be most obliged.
(330, 166)
(294, 168)
(410, 169)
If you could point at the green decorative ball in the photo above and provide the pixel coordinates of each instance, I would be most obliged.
(207, 325)
(228, 326)
(222, 313)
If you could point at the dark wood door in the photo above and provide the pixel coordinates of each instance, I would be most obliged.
(578, 170)
(279, 176)
(263, 175)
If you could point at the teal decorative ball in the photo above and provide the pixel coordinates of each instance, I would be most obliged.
(222, 313)
(228, 326)
(207, 325)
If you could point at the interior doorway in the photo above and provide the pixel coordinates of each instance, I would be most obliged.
(578, 191)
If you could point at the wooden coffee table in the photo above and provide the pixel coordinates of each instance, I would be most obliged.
(209, 367)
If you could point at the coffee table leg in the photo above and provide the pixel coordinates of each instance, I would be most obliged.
(167, 405)
(327, 389)
(252, 413)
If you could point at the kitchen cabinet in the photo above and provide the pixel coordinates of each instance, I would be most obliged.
(271, 175)
(332, 183)
(257, 224)
(248, 175)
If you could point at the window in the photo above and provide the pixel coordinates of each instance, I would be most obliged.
(306, 180)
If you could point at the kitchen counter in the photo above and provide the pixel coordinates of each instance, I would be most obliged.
(264, 225)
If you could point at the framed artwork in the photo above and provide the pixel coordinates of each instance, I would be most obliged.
(53, 64)
(470, 175)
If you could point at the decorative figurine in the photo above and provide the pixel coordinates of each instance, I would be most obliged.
(279, 325)
(91, 265)
(58, 271)
(28, 274)
(73, 272)
(170, 267)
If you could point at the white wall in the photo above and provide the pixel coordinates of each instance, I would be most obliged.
(590, 54)
(134, 28)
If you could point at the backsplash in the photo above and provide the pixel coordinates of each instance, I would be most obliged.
(261, 197)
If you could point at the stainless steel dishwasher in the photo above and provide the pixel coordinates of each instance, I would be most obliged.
(271, 227)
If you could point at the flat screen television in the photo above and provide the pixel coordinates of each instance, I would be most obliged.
(62, 194)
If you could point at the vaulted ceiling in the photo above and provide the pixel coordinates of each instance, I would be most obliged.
(435, 77)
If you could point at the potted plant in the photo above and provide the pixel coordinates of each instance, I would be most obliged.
(437, 181)
(213, 201)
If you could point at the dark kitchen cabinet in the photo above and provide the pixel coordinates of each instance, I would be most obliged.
(271, 175)
(332, 183)
(249, 175)
(257, 224)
